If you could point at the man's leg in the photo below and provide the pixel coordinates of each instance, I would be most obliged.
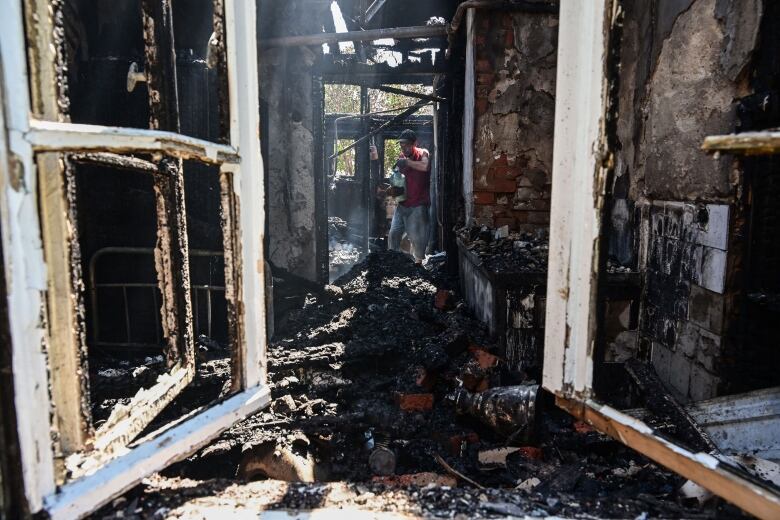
(397, 229)
(417, 230)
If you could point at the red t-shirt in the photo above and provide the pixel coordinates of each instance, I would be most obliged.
(418, 183)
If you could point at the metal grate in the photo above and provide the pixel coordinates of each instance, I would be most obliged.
(139, 298)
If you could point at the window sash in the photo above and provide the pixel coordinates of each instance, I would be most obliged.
(242, 183)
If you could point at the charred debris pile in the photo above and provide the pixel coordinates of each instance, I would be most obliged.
(383, 380)
(500, 250)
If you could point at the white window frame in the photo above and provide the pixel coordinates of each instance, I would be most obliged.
(26, 270)
(580, 164)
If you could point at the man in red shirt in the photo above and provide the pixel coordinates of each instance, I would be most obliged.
(411, 215)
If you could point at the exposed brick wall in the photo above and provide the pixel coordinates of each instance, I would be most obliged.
(515, 57)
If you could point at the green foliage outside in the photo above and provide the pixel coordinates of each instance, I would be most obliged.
(345, 99)
(345, 164)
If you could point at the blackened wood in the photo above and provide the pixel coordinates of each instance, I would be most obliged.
(659, 401)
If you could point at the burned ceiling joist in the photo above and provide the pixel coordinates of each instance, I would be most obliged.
(356, 36)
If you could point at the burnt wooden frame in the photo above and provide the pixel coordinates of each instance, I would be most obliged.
(582, 161)
(38, 232)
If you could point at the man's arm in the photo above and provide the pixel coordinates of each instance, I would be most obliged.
(421, 165)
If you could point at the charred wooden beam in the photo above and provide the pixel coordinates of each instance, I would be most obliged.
(662, 403)
(400, 117)
(352, 71)
(397, 33)
(417, 95)
(374, 9)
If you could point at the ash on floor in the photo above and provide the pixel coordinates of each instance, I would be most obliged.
(368, 364)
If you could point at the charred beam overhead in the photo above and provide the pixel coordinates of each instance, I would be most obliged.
(377, 80)
(400, 117)
(353, 72)
(397, 33)
(417, 95)
(372, 11)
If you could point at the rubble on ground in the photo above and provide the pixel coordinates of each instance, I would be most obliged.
(502, 251)
(360, 379)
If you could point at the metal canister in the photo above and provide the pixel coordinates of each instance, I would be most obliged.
(382, 460)
(506, 409)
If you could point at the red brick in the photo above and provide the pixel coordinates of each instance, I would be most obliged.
(482, 106)
(504, 221)
(507, 21)
(415, 402)
(498, 182)
(471, 382)
(444, 300)
(531, 452)
(501, 161)
(484, 358)
(484, 65)
(479, 40)
(485, 79)
(582, 427)
(425, 379)
(456, 441)
(484, 197)
(499, 171)
(534, 205)
(509, 39)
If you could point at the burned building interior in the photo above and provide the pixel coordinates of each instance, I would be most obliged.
(203, 316)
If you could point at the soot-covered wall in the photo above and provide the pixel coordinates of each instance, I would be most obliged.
(287, 98)
(515, 58)
(676, 213)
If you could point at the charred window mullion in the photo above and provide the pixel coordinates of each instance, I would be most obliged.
(218, 59)
(160, 65)
(172, 251)
(172, 262)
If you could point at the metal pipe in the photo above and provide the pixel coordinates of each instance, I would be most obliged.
(396, 33)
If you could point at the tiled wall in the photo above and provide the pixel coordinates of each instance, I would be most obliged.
(684, 302)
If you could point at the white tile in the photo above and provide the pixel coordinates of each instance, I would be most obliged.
(713, 269)
(716, 232)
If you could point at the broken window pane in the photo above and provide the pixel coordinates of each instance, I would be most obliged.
(105, 63)
(199, 58)
(214, 339)
(117, 234)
